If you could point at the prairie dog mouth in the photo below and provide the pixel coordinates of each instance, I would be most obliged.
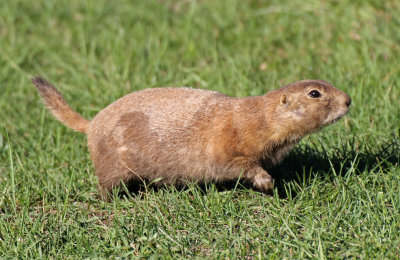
(333, 119)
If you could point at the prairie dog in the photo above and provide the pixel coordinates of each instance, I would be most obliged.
(184, 134)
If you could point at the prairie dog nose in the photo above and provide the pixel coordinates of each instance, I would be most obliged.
(347, 100)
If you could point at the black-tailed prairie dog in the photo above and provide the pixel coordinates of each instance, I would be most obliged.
(183, 134)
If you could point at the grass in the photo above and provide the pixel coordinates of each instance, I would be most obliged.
(337, 193)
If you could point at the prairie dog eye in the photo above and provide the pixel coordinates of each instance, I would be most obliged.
(314, 94)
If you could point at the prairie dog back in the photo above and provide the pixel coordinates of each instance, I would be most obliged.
(167, 110)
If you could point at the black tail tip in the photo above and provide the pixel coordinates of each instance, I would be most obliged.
(39, 81)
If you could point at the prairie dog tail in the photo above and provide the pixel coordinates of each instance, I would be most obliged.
(58, 107)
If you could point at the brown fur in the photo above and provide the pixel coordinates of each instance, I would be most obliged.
(183, 134)
(58, 107)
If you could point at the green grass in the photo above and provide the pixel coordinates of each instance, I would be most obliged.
(337, 193)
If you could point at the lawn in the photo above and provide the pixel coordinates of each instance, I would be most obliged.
(337, 193)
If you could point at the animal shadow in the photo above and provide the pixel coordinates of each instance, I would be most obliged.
(305, 162)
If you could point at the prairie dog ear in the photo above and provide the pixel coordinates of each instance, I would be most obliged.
(284, 100)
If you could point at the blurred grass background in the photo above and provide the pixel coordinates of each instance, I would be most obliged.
(338, 191)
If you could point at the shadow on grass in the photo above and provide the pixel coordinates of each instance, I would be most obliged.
(304, 163)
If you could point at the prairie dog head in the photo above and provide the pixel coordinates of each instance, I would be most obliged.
(306, 106)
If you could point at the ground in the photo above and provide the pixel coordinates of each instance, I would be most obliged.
(337, 193)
